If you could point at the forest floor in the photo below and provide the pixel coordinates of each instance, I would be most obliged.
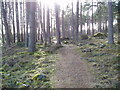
(71, 71)
(92, 63)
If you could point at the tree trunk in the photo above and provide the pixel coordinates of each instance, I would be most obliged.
(118, 20)
(77, 21)
(92, 20)
(48, 26)
(110, 23)
(57, 24)
(32, 38)
(13, 23)
(73, 31)
(27, 22)
(17, 22)
(21, 21)
(44, 32)
(4, 12)
(63, 28)
(81, 19)
(2, 30)
(99, 21)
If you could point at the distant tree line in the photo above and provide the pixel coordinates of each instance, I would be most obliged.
(31, 22)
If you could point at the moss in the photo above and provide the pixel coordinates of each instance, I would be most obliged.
(37, 55)
(100, 35)
(35, 77)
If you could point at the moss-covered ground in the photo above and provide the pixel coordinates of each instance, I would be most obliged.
(104, 61)
(22, 69)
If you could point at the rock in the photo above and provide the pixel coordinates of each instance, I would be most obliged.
(91, 60)
(100, 35)
(102, 45)
(41, 77)
(92, 44)
(65, 42)
(87, 50)
(104, 77)
(95, 64)
(80, 44)
(25, 85)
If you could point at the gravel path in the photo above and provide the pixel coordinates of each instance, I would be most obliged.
(71, 71)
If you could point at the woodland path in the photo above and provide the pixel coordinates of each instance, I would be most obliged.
(71, 71)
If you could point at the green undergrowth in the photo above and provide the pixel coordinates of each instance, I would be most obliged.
(23, 69)
(104, 60)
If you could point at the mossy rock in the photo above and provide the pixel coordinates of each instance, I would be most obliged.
(94, 64)
(104, 77)
(100, 35)
(84, 37)
(65, 42)
(39, 77)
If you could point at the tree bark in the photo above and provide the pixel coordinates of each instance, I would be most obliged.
(27, 22)
(57, 24)
(81, 19)
(77, 21)
(48, 26)
(13, 23)
(32, 38)
(63, 28)
(73, 31)
(4, 15)
(44, 32)
(92, 20)
(17, 22)
(118, 20)
(110, 23)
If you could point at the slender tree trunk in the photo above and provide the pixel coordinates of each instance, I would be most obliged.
(92, 20)
(32, 38)
(106, 27)
(63, 29)
(81, 19)
(17, 22)
(77, 21)
(48, 26)
(118, 20)
(73, 31)
(13, 23)
(99, 22)
(4, 15)
(51, 25)
(57, 24)
(21, 21)
(44, 32)
(2, 30)
(24, 20)
(27, 23)
(41, 25)
(110, 23)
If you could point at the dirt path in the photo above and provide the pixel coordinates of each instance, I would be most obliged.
(71, 72)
